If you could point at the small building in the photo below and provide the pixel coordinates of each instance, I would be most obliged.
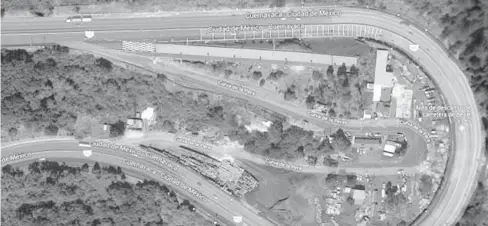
(367, 114)
(134, 124)
(390, 148)
(358, 196)
(366, 141)
(388, 154)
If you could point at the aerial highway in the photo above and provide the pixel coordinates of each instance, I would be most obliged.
(219, 202)
(434, 59)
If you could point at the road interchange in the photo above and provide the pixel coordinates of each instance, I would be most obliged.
(433, 58)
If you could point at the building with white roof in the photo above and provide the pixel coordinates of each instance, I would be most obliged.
(404, 101)
(382, 78)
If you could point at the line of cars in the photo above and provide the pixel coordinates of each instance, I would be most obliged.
(79, 19)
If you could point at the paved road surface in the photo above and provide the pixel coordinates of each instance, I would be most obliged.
(449, 77)
(220, 152)
(218, 201)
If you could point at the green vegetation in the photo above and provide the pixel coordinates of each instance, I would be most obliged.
(426, 185)
(49, 193)
(476, 212)
(53, 91)
(339, 91)
(291, 143)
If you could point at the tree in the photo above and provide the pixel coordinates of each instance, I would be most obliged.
(162, 77)
(117, 129)
(290, 93)
(85, 167)
(262, 82)
(312, 160)
(96, 168)
(341, 142)
(276, 75)
(256, 75)
(354, 70)
(310, 102)
(12, 132)
(169, 126)
(104, 63)
(342, 70)
(331, 178)
(330, 72)
(216, 113)
(227, 73)
(332, 113)
(51, 130)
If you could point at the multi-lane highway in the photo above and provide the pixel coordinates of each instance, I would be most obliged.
(434, 59)
(218, 202)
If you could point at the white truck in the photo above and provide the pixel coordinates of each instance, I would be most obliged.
(79, 19)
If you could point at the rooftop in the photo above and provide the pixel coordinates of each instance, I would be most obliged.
(134, 124)
(381, 77)
(358, 196)
(367, 140)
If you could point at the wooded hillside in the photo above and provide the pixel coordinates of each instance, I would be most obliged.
(49, 193)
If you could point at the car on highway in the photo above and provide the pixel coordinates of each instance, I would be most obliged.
(79, 19)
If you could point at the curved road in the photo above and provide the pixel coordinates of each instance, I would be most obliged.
(218, 202)
(450, 78)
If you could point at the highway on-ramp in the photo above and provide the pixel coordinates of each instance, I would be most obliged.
(467, 154)
(218, 202)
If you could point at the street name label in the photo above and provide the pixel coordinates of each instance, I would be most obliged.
(237, 88)
(167, 178)
(136, 152)
(193, 143)
(295, 14)
(459, 112)
(16, 157)
(222, 29)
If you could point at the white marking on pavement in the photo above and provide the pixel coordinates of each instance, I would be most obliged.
(87, 153)
(462, 127)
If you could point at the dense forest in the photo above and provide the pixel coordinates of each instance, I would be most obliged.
(50, 193)
(51, 90)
